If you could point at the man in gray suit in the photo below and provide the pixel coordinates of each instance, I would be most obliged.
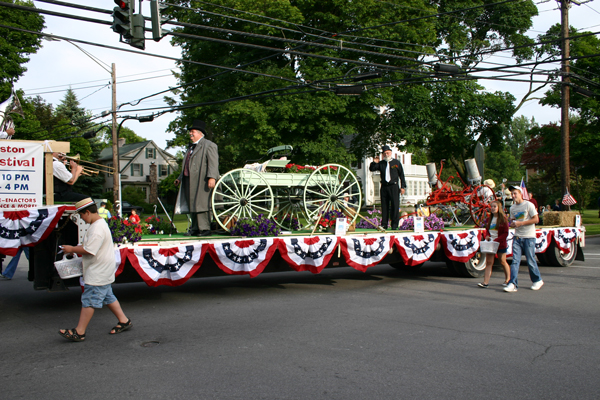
(198, 177)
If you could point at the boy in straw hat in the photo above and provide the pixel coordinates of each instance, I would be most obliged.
(98, 272)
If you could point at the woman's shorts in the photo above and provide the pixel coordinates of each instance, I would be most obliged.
(97, 296)
(502, 251)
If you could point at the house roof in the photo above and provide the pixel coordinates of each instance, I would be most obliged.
(107, 154)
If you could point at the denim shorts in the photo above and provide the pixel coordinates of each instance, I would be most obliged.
(502, 251)
(97, 296)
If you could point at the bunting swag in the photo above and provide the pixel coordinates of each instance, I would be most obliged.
(171, 266)
(248, 256)
(461, 247)
(416, 249)
(364, 252)
(120, 257)
(308, 253)
(509, 243)
(27, 227)
(542, 240)
(564, 238)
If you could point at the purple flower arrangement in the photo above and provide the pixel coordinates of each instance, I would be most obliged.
(292, 222)
(329, 218)
(257, 226)
(432, 223)
(123, 231)
(374, 217)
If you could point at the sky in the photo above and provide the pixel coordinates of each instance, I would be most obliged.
(60, 65)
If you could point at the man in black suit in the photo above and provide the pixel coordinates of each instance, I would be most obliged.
(391, 172)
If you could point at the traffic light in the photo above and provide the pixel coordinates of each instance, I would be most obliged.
(156, 8)
(122, 18)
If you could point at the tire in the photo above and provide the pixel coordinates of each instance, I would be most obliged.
(554, 256)
(473, 268)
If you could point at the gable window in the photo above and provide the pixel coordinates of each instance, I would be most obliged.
(150, 152)
(137, 169)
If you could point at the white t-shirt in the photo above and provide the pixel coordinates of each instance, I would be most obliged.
(494, 228)
(523, 212)
(60, 171)
(99, 265)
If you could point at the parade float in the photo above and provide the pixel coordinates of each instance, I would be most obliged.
(296, 202)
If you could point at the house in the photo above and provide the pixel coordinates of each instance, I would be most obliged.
(139, 162)
(417, 184)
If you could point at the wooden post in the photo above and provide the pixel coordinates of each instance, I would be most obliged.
(49, 175)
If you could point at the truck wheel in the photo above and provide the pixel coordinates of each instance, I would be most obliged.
(473, 268)
(555, 256)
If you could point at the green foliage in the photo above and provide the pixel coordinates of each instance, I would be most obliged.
(15, 46)
(444, 117)
(133, 195)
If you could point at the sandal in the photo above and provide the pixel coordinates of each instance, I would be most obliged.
(482, 285)
(120, 327)
(72, 335)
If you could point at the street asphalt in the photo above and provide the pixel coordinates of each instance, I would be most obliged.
(341, 334)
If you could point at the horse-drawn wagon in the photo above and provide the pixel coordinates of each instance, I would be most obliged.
(294, 200)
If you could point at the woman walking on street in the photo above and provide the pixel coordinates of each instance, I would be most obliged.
(497, 230)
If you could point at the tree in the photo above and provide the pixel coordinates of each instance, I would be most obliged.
(301, 108)
(15, 46)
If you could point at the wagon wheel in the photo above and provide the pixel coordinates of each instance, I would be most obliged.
(289, 208)
(332, 187)
(479, 204)
(241, 193)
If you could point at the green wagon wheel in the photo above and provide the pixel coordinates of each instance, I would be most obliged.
(332, 187)
(289, 212)
(241, 193)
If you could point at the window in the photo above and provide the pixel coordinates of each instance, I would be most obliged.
(150, 152)
(145, 190)
(137, 169)
(163, 170)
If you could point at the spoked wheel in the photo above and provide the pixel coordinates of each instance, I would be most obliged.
(479, 204)
(290, 213)
(241, 193)
(332, 187)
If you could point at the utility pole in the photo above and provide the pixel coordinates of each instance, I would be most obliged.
(115, 143)
(565, 170)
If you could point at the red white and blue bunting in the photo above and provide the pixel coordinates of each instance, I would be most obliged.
(542, 240)
(416, 249)
(461, 247)
(364, 252)
(170, 266)
(27, 227)
(245, 256)
(308, 253)
(564, 237)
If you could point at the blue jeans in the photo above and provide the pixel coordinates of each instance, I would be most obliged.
(10, 269)
(524, 246)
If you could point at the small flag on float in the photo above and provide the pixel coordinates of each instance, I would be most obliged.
(524, 190)
(568, 200)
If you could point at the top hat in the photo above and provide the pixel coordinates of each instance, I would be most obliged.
(199, 126)
(385, 148)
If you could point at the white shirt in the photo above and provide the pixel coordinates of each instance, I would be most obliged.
(99, 265)
(61, 171)
(523, 212)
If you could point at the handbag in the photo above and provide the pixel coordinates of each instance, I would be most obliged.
(489, 247)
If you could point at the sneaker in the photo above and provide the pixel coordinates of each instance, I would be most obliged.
(510, 288)
(537, 285)
(4, 277)
(505, 284)
(482, 285)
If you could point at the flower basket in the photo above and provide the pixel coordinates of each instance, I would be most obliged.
(69, 267)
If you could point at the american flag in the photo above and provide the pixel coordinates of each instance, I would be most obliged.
(568, 200)
(524, 190)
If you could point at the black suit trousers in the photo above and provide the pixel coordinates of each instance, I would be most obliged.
(390, 204)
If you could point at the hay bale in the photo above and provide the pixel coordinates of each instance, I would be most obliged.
(560, 218)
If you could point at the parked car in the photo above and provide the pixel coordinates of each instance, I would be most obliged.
(126, 208)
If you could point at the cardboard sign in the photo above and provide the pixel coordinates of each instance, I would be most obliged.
(341, 226)
(21, 174)
(419, 224)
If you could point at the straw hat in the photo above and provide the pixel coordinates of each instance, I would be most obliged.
(81, 204)
(490, 183)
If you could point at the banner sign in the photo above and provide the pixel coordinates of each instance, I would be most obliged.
(21, 175)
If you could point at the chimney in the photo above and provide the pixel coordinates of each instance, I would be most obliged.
(121, 142)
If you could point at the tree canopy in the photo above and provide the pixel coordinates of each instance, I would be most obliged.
(291, 57)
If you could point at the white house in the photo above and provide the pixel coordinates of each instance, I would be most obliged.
(137, 161)
(417, 185)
